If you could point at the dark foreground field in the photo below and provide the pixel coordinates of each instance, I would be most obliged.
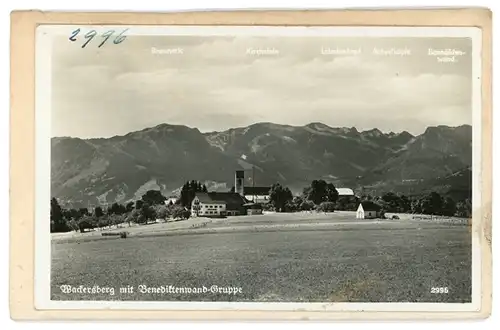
(357, 263)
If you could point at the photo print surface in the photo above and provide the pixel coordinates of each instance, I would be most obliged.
(257, 166)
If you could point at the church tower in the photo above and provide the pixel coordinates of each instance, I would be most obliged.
(239, 182)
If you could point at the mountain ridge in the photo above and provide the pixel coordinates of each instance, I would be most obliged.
(104, 170)
(235, 128)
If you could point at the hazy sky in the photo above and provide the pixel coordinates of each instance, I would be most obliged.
(216, 83)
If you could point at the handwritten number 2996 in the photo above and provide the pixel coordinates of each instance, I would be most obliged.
(105, 36)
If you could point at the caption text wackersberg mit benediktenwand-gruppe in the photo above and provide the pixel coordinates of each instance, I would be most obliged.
(144, 289)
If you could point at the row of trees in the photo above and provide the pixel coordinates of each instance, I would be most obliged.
(149, 208)
(323, 196)
(432, 204)
(319, 195)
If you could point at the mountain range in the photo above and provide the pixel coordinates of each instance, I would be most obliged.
(121, 168)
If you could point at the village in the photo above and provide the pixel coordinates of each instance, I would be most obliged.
(320, 201)
(252, 200)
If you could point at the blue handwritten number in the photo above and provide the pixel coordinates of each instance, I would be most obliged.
(119, 38)
(90, 35)
(106, 36)
(73, 35)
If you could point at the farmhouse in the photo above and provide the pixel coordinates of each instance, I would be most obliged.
(368, 210)
(214, 204)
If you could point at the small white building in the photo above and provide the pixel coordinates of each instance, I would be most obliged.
(345, 191)
(368, 210)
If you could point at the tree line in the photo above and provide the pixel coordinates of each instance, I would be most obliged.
(431, 203)
(148, 208)
(323, 197)
(319, 195)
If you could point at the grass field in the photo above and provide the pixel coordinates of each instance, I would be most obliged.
(280, 257)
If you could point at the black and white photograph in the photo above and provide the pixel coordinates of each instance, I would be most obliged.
(253, 167)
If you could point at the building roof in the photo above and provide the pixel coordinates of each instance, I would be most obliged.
(370, 206)
(345, 191)
(262, 191)
(205, 198)
(231, 199)
(172, 200)
(253, 206)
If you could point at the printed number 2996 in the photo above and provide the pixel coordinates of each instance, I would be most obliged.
(439, 290)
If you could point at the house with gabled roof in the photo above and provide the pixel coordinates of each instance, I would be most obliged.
(368, 210)
(215, 204)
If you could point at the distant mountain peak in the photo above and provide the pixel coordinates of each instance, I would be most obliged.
(320, 127)
(403, 134)
(441, 128)
(374, 132)
(166, 129)
(317, 125)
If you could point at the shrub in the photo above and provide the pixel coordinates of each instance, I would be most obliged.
(132, 216)
(73, 225)
(267, 207)
(141, 219)
(307, 206)
(326, 207)
(181, 213)
(290, 206)
(162, 212)
(87, 222)
(103, 222)
(114, 219)
(84, 225)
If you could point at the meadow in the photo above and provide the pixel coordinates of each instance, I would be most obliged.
(276, 257)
